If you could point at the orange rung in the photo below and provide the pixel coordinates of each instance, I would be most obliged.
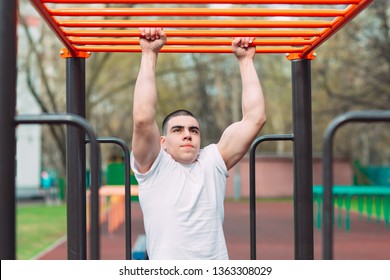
(199, 42)
(307, 2)
(195, 12)
(196, 23)
(198, 33)
(175, 49)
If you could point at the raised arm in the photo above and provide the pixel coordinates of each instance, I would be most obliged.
(237, 138)
(146, 136)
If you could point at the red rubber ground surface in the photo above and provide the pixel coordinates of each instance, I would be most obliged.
(275, 236)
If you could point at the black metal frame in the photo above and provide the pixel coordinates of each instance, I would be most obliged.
(358, 116)
(81, 123)
(8, 47)
(76, 169)
(126, 153)
(75, 161)
(252, 184)
(302, 160)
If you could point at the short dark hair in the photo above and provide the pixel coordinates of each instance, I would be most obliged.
(180, 112)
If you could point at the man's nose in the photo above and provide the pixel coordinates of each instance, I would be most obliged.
(187, 134)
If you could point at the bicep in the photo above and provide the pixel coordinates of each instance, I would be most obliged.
(235, 142)
(145, 146)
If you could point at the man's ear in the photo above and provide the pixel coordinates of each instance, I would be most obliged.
(162, 142)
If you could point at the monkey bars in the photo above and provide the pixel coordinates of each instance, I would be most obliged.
(294, 27)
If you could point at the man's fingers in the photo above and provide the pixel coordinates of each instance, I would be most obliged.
(243, 42)
(151, 33)
(147, 33)
(160, 32)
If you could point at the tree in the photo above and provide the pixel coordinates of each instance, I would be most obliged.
(352, 73)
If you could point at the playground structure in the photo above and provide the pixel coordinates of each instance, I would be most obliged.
(295, 35)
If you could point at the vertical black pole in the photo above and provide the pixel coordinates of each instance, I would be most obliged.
(75, 164)
(8, 47)
(303, 162)
(252, 199)
(327, 212)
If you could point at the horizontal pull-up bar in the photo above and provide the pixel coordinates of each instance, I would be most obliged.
(198, 33)
(196, 23)
(188, 42)
(169, 49)
(303, 2)
(191, 12)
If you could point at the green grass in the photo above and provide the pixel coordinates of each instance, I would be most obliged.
(38, 227)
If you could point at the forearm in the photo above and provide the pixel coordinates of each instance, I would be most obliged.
(252, 95)
(145, 92)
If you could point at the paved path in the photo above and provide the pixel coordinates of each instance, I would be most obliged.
(275, 236)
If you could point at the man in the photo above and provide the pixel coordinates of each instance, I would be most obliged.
(181, 186)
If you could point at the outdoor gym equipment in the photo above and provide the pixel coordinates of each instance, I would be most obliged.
(292, 27)
(338, 122)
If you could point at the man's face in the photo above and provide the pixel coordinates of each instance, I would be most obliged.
(182, 140)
